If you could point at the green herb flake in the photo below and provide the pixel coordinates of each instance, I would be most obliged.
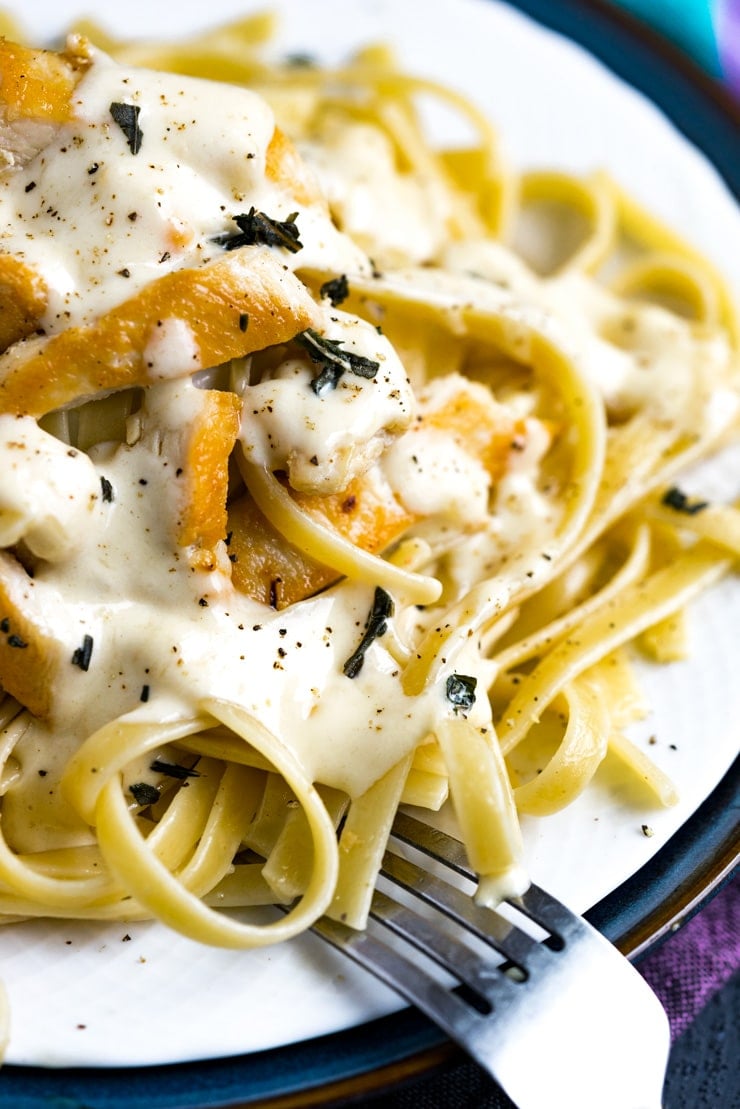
(460, 692)
(675, 498)
(144, 794)
(336, 290)
(300, 61)
(173, 770)
(334, 361)
(127, 118)
(258, 229)
(377, 625)
(82, 655)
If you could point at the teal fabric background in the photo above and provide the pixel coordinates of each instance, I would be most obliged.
(691, 24)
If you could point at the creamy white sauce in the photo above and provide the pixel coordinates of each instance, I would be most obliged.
(185, 636)
(172, 350)
(398, 218)
(432, 475)
(48, 491)
(638, 355)
(99, 222)
(324, 440)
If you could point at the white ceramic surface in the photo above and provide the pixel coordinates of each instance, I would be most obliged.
(85, 994)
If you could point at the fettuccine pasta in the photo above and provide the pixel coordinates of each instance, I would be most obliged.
(337, 472)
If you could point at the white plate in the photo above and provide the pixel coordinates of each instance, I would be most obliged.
(131, 995)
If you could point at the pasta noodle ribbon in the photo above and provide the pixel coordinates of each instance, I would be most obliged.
(640, 606)
(329, 547)
(484, 805)
(577, 758)
(588, 199)
(152, 883)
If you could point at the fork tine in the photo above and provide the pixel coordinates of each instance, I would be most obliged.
(448, 952)
(438, 845)
(459, 906)
(543, 909)
(580, 1028)
(445, 1008)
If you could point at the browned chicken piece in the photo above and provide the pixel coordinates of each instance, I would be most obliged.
(29, 655)
(36, 88)
(489, 434)
(367, 513)
(41, 374)
(35, 99)
(269, 569)
(205, 464)
(38, 372)
(22, 300)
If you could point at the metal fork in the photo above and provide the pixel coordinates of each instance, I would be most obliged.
(546, 1005)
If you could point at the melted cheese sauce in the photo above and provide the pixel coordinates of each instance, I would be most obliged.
(49, 490)
(397, 218)
(323, 441)
(99, 222)
(638, 355)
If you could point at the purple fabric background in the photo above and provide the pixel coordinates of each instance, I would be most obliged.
(697, 960)
(727, 21)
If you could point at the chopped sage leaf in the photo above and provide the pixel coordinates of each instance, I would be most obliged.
(334, 361)
(144, 794)
(377, 625)
(460, 692)
(106, 489)
(127, 118)
(300, 61)
(677, 499)
(327, 380)
(257, 229)
(83, 654)
(173, 770)
(336, 290)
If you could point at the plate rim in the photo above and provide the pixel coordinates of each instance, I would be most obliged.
(698, 105)
(701, 856)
